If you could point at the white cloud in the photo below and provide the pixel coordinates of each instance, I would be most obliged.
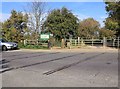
(4, 16)
(103, 17)
(81, 16)
(99, 19)
(101, 22)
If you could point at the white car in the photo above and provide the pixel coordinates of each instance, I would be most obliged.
(5, 45)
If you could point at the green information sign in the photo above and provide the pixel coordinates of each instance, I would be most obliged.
(44, 36)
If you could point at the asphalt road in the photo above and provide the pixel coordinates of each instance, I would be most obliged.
(66, 68)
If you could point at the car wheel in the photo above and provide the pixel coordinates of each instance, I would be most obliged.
(4, 48)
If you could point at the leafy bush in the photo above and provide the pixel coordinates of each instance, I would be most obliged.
(32, 46)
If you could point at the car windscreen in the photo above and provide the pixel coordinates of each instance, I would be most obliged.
(3, 40)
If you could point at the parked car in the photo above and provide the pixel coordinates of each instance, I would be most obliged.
(5, 45)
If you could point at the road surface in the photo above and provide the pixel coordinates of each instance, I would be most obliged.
(62, 68)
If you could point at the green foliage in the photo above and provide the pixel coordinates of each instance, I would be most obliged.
(113, 21)
(107, 33)
(111, 24)
(0, 29)
(87, 28)
(32, 46)
(61, 23)
(14, 28)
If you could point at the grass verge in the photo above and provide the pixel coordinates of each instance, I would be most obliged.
(33, 47)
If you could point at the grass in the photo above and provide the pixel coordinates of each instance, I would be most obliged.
(33, 46)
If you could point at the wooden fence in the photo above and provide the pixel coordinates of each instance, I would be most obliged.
(111, 42)
(106, 42)
(34, 42)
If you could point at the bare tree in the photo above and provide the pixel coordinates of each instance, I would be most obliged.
(36, 13)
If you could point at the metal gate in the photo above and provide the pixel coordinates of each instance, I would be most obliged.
(106, 42)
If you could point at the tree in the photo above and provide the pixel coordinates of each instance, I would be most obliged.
(0, 29)
(61, 23)
(113, 9)
(107, 33)
(36, 13)
(111, 24)
(88, 27)
(15, 27)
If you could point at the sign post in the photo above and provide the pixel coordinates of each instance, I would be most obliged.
(44, 37)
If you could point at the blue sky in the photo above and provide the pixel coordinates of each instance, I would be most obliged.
(83, 10)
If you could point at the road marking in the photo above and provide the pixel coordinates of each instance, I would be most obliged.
(14, 68)
(48, 61)
(70, 65)
(33, 56)
(22, 54)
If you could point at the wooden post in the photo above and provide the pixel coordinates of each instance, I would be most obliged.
(70, 43)
(82, 43)
(25, 41)
(78, 40)
(37, 41)
(118, 42)
(75, 42)
(62, 43)
(92, 41)
(104, 41)
(113, 42)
